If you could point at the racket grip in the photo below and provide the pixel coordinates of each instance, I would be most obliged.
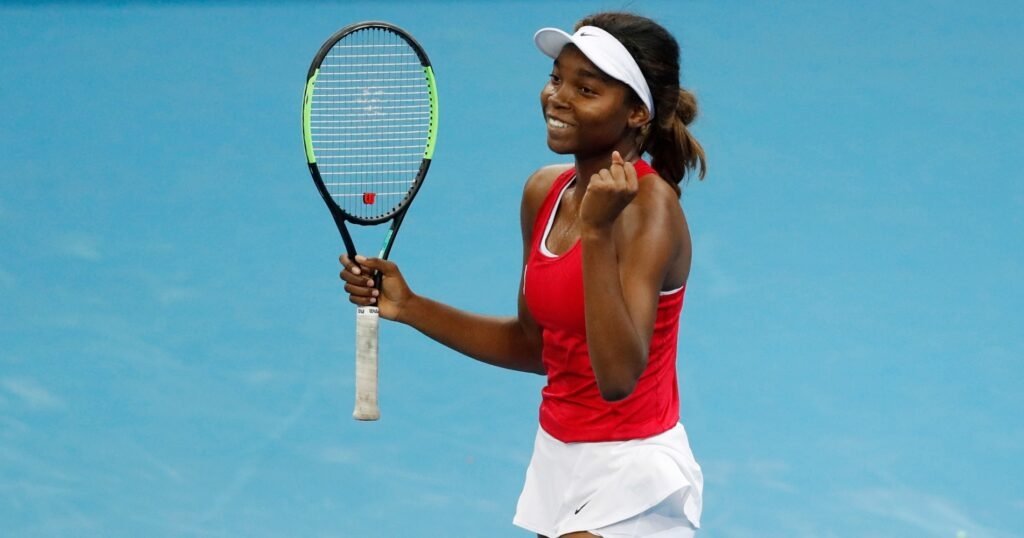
(367, 321)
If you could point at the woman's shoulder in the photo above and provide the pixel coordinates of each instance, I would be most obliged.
(656, 207)
(540, 181)
(536, 190)
(653, 191)
(545, 176)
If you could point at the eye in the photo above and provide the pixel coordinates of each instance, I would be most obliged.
(586, 90)
(554, 79)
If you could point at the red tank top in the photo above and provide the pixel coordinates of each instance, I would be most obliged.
(572, 409)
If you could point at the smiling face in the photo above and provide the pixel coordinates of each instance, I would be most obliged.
(588, 113)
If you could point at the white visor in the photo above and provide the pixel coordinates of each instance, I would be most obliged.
(601, 48)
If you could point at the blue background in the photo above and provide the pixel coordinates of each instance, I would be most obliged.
(176, 350)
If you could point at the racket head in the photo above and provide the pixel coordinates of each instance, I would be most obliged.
(369, 121)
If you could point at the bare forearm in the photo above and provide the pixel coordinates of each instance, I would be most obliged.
(618, 353)
(499, 341)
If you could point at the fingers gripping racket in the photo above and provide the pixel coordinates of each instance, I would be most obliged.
(369, 122)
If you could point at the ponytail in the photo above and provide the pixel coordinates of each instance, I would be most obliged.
(673, 148)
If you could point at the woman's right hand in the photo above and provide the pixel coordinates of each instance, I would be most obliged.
(358, 277)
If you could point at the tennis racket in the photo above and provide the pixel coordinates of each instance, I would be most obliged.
(369, 123)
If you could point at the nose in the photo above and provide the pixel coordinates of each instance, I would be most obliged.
(555, 96)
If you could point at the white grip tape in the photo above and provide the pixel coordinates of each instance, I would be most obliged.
(367, 320)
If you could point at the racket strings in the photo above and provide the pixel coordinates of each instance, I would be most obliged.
(369, 121)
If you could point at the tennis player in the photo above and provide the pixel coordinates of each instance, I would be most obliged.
(606, 255)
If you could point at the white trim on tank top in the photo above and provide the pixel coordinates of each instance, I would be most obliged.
(544, 251)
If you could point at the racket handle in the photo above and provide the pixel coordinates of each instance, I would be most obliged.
(367, 321)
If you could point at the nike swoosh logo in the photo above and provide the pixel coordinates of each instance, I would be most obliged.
(581, 508)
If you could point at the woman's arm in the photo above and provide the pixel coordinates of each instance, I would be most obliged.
(512, 342)
(634, 241)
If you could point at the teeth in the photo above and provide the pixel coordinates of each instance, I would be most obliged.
(557, 124)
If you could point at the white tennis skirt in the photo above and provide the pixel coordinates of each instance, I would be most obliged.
(617, 489)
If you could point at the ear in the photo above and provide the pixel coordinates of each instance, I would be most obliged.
(639, 116)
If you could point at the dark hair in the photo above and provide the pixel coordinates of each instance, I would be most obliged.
(673, 149)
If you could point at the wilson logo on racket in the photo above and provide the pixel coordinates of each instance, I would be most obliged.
(369, 198)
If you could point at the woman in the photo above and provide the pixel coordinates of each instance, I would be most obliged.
(606, 255)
